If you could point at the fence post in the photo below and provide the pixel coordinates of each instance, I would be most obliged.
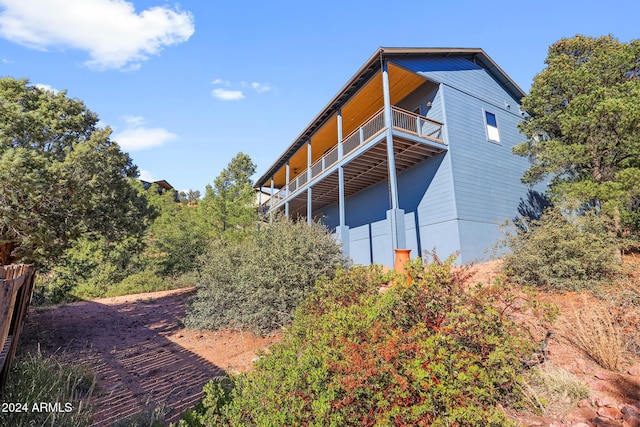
(16, 290)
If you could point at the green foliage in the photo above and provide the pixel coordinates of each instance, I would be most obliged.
(34, 379)
(152, 416)
(210, 410)
(60, 176)
(229, 205)
(89, 268)
(258, 282)
(437, 352)
(562, 251)
(178, 237)
(584, 125)
(143, 281)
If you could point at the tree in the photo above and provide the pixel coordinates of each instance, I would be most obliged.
(178, 236)
(229, 204)
(61, 176)
(584, 125)
(189, 197)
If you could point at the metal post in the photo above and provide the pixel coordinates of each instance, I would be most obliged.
(309, 176)
(286, 204)
(271, 202)
(393, 182)
(395, 215)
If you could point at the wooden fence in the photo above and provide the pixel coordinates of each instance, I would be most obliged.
(16, 288)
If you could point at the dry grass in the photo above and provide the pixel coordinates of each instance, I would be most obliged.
(552, 390)
(594, 330)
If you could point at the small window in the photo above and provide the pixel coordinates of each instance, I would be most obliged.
(492, 127)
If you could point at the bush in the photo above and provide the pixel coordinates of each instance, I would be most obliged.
(562, 251)
(144, 281)
(430, 353)
(258, 282)
(88, 269)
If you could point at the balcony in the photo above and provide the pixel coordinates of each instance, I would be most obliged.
(421, 138)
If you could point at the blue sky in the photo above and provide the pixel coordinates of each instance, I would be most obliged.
(186, 86)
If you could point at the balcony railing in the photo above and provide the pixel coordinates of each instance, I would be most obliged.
(403, 120)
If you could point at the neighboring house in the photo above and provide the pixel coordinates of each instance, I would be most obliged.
(413, 152)
(162, 187)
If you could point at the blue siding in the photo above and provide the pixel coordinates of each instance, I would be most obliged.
(360, 244)
(426, 198)
(461, 74)
(365, 207)
(486, 175)
(444, 237)
(411, 234)
(381, 243)
(478, 240)
(453, 202)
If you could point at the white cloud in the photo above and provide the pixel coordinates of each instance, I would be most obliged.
(145, 175)
(136, 137)
(227, 95)
(46, 87)
(235, 95)
(221, 82)
(259, 87)
(133, 120)
(110, 31)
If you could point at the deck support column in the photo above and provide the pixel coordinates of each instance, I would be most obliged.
(286, 203)
(271, 202)
(342, 230)
(395, 215)
(309, 192)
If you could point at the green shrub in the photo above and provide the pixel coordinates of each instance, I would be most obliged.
(89, 268)
(430, 353)
(144, 281)
(210, 410)
(562, 251)
(258, 282)
(35, 378)
(153, 415)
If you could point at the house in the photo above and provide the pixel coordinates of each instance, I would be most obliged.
(413, 152)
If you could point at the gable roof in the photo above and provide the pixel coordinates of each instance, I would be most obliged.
(370, 68)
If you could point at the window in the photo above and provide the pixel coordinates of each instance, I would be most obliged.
(492, 127)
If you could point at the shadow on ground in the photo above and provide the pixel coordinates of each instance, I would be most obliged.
(126, 345)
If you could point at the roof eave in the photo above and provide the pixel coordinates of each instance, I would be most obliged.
(363, 75)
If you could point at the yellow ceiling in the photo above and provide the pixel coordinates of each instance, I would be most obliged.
(363, 105)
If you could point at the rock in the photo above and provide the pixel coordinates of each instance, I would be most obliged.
(630, 411)
(580, 425)
(606, 401)
(604, 376)
(598, 385)
(609, 413)
(635, 371)
(584, 403)
(580, 415)
(603, 422)
(631, 416)
(633, 422)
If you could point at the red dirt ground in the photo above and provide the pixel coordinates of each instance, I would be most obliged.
(143, 356)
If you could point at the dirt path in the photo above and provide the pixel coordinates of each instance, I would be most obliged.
(140, 351)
